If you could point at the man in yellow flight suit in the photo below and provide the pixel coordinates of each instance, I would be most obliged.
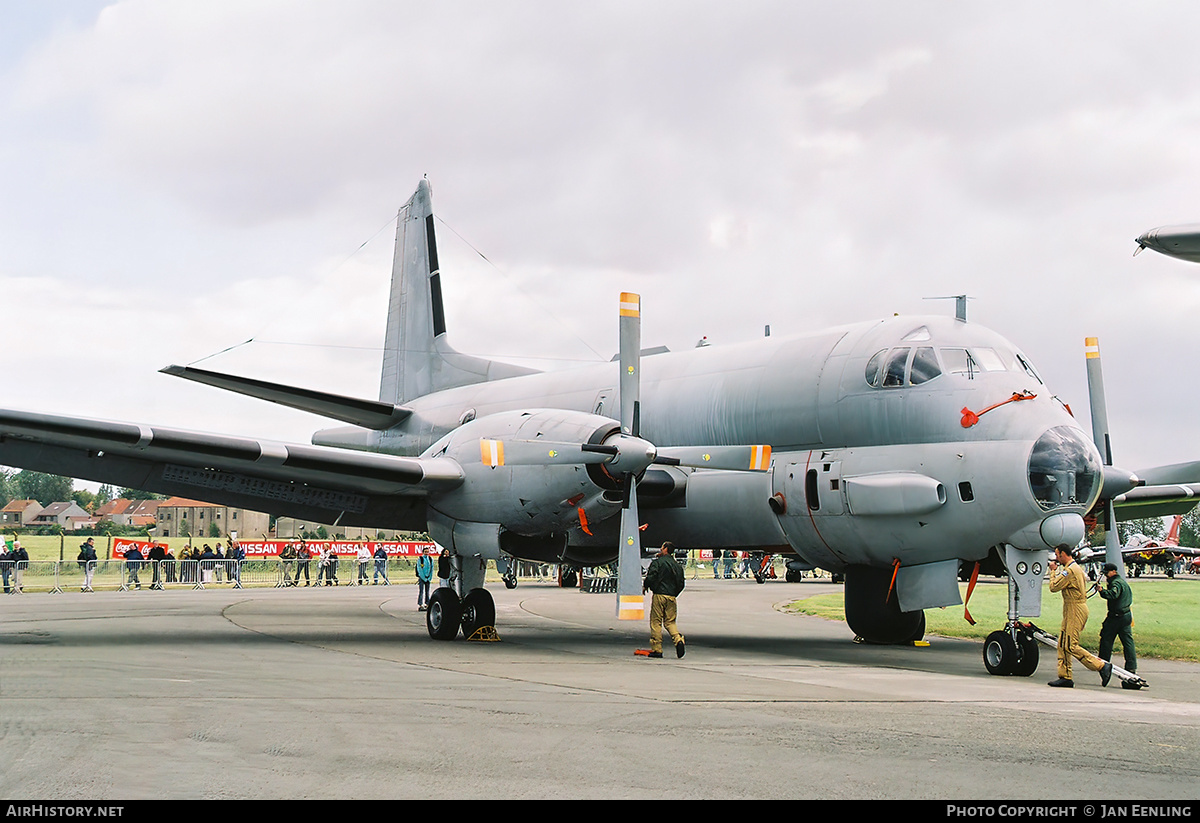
(1068, 578)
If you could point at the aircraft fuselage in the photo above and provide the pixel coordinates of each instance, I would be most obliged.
(870, 454)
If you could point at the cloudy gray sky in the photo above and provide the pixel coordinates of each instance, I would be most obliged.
(180, 177)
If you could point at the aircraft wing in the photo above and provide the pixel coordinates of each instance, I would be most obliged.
(1157, 501)
(1173, 489)
(1087, 553)
(326, 485)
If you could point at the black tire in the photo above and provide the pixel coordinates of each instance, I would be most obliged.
(478, 610)
(570, 579)
(873, 610)
(999, 653)
(918, 632)
(1028, 656)
(443, 614)
(510, 582)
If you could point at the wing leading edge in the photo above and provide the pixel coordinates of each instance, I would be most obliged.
(319, 483)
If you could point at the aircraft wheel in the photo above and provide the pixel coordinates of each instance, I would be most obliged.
(443, 614)
(999, 653)
(510, 582)
(569, 579)
(918, 632)
(1027, 651)
(478, 610)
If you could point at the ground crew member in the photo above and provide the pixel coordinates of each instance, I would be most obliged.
(1119, 620)
(665, 579)
(1068, 578)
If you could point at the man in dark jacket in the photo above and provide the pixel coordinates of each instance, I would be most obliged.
(6, 566)
(665, 579)
(156, 556)
(87, 563)
(1119, 621)
(133, 561)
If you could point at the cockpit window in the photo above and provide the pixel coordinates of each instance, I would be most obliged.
(891, 368)
(1028, 367)
(988, 359)
(893, 372)
(873, 366)
(960, 361)
(924, 366)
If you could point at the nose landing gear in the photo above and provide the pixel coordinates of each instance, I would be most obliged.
(1012, 650)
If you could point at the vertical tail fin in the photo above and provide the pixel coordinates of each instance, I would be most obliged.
(1172, 538)
(417, 359)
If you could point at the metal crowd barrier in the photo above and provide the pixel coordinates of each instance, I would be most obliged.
(117, 574)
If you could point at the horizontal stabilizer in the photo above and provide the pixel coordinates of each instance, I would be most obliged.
(371, 414)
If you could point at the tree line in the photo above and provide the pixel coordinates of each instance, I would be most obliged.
(53, 488)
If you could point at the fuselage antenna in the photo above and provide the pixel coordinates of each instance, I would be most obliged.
(960, 305)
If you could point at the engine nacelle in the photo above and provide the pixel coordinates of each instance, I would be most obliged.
(529, 500)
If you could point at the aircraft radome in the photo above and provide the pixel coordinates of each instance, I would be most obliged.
(894, 451)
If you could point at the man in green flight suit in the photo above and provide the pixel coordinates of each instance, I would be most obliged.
(665, 579)
(1119, 620)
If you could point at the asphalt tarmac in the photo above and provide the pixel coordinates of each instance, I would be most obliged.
(340, 693)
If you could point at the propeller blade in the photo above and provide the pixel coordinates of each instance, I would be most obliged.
(631, 347)
(1112, 545)
(1095, 379)
(732, 458)
(631, 603)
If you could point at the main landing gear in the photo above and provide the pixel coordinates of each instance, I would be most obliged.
(447, 613)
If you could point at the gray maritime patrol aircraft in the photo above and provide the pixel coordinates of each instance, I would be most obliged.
(893, 451)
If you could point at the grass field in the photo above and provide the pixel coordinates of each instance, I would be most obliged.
(1166, 615)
